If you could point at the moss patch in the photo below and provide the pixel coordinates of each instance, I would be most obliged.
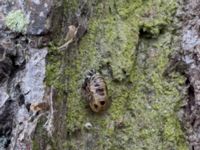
(129, 43)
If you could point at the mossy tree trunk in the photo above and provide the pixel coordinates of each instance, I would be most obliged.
(128, 42)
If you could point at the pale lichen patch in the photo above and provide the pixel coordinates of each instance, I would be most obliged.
(17, 21)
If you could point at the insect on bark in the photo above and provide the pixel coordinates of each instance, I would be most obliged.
(95, 91)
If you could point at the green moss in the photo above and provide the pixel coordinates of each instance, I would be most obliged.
(40, 135)
(53, 71)
(154, 99)
(172, 131)
(130, 47)
(35, 145)
(70, 7)
(17, 21)
(155, 19)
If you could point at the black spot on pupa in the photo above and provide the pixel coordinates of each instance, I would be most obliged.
(102, 102)
(96, 85)
(100, 91)
(95, 106)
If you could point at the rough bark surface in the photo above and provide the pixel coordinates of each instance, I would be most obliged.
(190, 45)
(146, 50)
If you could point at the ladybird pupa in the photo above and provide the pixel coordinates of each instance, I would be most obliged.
(95, 91)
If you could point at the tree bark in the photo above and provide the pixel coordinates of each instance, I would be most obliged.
(146, 51)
